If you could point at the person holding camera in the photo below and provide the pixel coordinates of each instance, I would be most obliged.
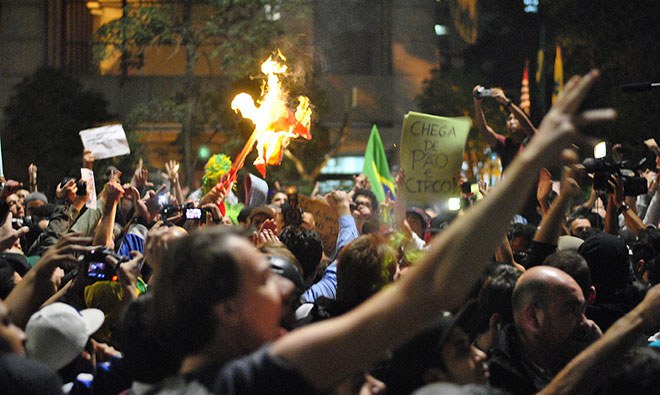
(518, 125)
(519, 129)
(71, 196)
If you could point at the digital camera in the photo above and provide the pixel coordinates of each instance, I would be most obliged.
(96, 267)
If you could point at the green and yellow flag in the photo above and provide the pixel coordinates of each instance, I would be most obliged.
(376, 167)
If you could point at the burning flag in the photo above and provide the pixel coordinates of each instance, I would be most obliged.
(274, 123)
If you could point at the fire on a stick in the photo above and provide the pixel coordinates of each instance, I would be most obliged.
(274, 123)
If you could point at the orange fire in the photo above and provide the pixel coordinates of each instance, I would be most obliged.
(274, 123)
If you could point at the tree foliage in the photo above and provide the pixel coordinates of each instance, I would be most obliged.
(42, 120)
(238, 34)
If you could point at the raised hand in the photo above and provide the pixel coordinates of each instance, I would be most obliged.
(88, 159)
(32, 177)
(172, 170)
(339, 201)
(9, 235)
(544, 188)
(141, 176)
(113, 192)
(559, 127)
(128, 273)
(66, 190)
(148, 207)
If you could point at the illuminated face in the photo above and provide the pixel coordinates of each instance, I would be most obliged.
(15, 206)
(513, 127)
(279, 198)
(465, 363)
(260, 297)
(363, 208)
(563, 324)
(579, 225)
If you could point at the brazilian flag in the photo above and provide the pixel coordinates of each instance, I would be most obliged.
(376, 167)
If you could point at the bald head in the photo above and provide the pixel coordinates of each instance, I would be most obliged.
(538, 285)
(548, 311)
(175, 232)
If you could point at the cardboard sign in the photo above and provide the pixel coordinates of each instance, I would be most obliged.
(431, 153)
(327, 221)
(88, 176)
(106, 141)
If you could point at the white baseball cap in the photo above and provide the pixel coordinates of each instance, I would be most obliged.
(58, 333)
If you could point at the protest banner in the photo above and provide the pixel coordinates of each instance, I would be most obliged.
(87, 175)
(431, 153)
(2, 168)
(105, 141)
(327, 221)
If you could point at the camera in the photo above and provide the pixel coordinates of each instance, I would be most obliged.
(196, 214)
(171, 210)
(603, 167)
(96, 267)
(17, 223)
(483, 92)
(81, 185)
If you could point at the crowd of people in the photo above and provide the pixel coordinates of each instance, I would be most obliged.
(155, 290)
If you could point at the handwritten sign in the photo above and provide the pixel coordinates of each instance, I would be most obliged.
(327, 221)
(87, 175)
(2, 169)
(105, 141)
(431, 154)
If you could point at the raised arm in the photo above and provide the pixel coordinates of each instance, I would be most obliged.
(172, 170)
(32, 177)
(35, 288)
(517, 112)
(480, 120)
(103, 233)
(616, 205)
(551, 225)
(444, 275)
(587, 370)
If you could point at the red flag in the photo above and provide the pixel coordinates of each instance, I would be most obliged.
(525, 103)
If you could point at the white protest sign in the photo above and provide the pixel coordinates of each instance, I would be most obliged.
(105, 141)
(2, 170)
(88, 176)
(431, 153)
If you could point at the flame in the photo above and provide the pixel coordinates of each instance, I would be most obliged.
(274, 123)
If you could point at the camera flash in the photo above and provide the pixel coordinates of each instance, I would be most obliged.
(454, 204)
(600, 150)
